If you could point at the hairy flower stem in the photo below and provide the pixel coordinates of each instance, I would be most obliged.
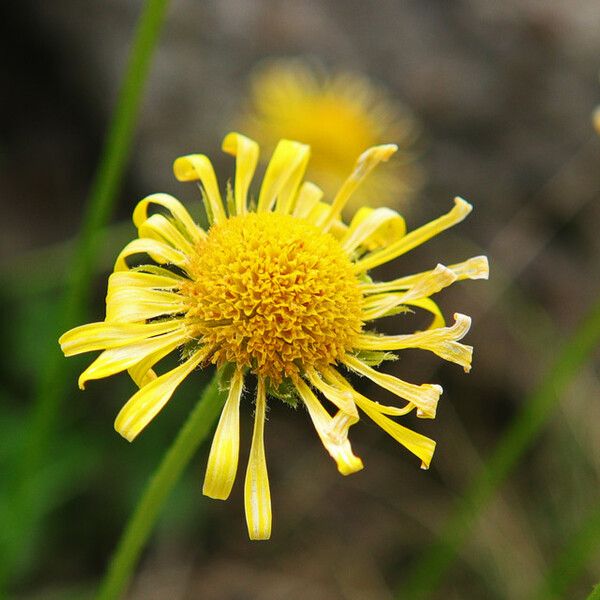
(140, 525)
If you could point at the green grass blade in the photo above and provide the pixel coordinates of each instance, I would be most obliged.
(572, 559)
(52, 385)
(423, 579)
(142, 521)
(595, 595)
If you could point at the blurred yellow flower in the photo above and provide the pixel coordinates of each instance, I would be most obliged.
(276, 288)
(338, 116)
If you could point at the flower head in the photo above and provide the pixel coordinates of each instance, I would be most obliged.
(338, 116)
(276, 289)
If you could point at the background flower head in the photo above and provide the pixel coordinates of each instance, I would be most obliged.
(338, 114)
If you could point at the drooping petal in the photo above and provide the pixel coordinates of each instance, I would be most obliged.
(158, 227)
(333, 431)
(430, 283)
(415, 238)
(130, 305)
(473, 268)
(257, 494)
(430, 306)
(341, 398)
(283, 176)
(147, 402)
(158, 251)
(197, 167)
(224, 452)
(180, 214)
(425, 397)
(138, 279)
(104, 335)
(119, 359)
(246, 152)
(442, 341)
(418, 444)
(373, 228)
(365, 163)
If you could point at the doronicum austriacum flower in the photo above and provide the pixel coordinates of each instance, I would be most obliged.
(278, 289)
(338, 115)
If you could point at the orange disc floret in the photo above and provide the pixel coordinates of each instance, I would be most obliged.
(273, 293)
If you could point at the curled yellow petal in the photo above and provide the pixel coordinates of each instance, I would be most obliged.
(333, 431)
(197, 167)
(159, 251)
(147, 402)
(257, 495)
(119, 359)
(415, 238)
(224, 452)
(373, 228)
(308, 197)
(283, 176)
(104, 335)
(246, 152)
(442, 341)
(425, 397)
(365, 163)
(177, 210)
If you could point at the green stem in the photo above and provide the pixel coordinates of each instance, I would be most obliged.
(53, 384)
(595, 595)
(537, 408)
(141, 523)
(572, 559)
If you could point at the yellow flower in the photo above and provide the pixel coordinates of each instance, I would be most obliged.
(276, 288)
(338, 116)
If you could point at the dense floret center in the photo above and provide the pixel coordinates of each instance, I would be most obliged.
(273, 293)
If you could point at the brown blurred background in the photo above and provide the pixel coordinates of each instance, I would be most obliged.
(503, 93)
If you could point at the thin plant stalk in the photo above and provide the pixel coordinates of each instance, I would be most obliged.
(147, 511)
(572, 560)
(595, 595)
(424, 578)
(52, 385)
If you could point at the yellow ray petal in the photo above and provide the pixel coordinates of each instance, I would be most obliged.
(429, 305)
(425, 397)
(441, 341)
(415, 238)
(197, 167)
(158, 251)
(180, 214)
(335, 378)
(246, 152)
(365, 163)
(140, 280)
(418, 444)
(332, 431)
(224, 452)
(116, 360)
(373, 228)
(139, 304)
(309, 196)
(147, 402)
(257, 495)
(104, 335)
(158, 227)
(473, 268)
(341, 398)
(283, 176)
(430, 283)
